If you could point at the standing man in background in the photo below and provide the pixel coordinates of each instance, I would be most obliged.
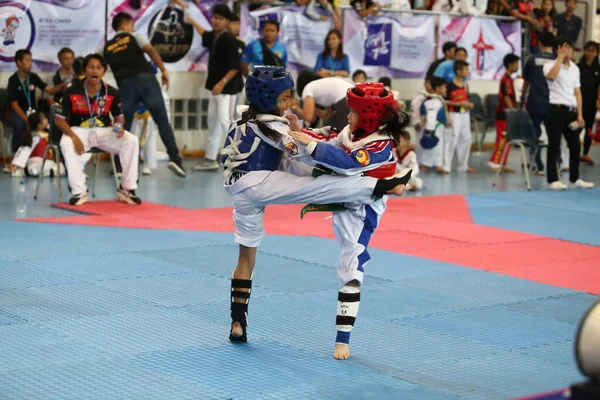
(66, 58)
(223, 80)
(568, 24)
(565, 115)
(535, 95)
(137, 81)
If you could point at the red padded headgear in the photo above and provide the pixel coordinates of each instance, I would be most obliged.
(369, 104)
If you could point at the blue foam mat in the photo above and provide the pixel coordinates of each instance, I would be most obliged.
(130, 313)
(569, 215)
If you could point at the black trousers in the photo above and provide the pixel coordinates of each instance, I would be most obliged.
(558, 124)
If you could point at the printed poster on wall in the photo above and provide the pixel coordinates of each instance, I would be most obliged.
(394, 45)
(178, 43)
(303, 37)
(45, 26)
(487, 42)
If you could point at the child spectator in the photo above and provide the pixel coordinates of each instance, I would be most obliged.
(415, 117)
(21, 95)
(387, 83)
(31, 155)
(436, 121)
(407, 159)
(506, 100)
(458, 139)
(359, 76)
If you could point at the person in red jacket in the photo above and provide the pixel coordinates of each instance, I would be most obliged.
(507, 100)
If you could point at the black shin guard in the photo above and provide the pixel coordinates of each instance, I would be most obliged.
(385, 185)
(239, 311)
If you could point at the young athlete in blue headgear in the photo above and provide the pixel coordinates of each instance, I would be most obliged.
(253, 157)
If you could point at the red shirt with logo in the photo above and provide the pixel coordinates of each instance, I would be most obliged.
(507, 88)
(458, 94)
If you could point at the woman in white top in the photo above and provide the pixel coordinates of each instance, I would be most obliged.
(565, 114)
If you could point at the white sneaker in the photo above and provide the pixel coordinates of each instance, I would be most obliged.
(558, 185)
(581, 184)
(19, 173)
(146, 171)
(206, 165)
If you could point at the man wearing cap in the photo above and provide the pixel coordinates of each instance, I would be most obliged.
(224, 80)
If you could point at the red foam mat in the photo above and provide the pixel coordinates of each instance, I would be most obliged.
(436, 227)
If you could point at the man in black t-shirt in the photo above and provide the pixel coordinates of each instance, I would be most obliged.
(85, 120)
(224, 80)
(22, 97)
(137, 82)
(66, 73)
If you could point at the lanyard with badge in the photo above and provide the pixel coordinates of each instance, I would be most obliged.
(93, 122)
(27, 94)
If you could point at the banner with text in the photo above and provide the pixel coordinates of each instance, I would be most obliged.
(178, 43)
(487, 42)
(394, 45)
(45, 26)
(303, 36)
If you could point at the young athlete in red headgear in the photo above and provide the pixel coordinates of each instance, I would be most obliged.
(364, 147)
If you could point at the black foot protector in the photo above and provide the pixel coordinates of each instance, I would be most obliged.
(239, 311)
(385, 185)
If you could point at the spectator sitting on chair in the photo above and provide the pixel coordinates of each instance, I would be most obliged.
(84, 119)
(332, 61)
(30, 156)
(21, 95)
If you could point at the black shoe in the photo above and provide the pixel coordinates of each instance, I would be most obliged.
(79, 199)
(177, 168)
(128, 196)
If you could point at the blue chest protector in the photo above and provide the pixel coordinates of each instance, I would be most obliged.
(245, 151)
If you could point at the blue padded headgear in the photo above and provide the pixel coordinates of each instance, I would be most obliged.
(264, 84)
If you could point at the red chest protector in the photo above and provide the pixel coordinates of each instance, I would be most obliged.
(39, 149)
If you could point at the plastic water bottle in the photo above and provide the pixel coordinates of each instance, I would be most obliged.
(117, 128)
(21, 205)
